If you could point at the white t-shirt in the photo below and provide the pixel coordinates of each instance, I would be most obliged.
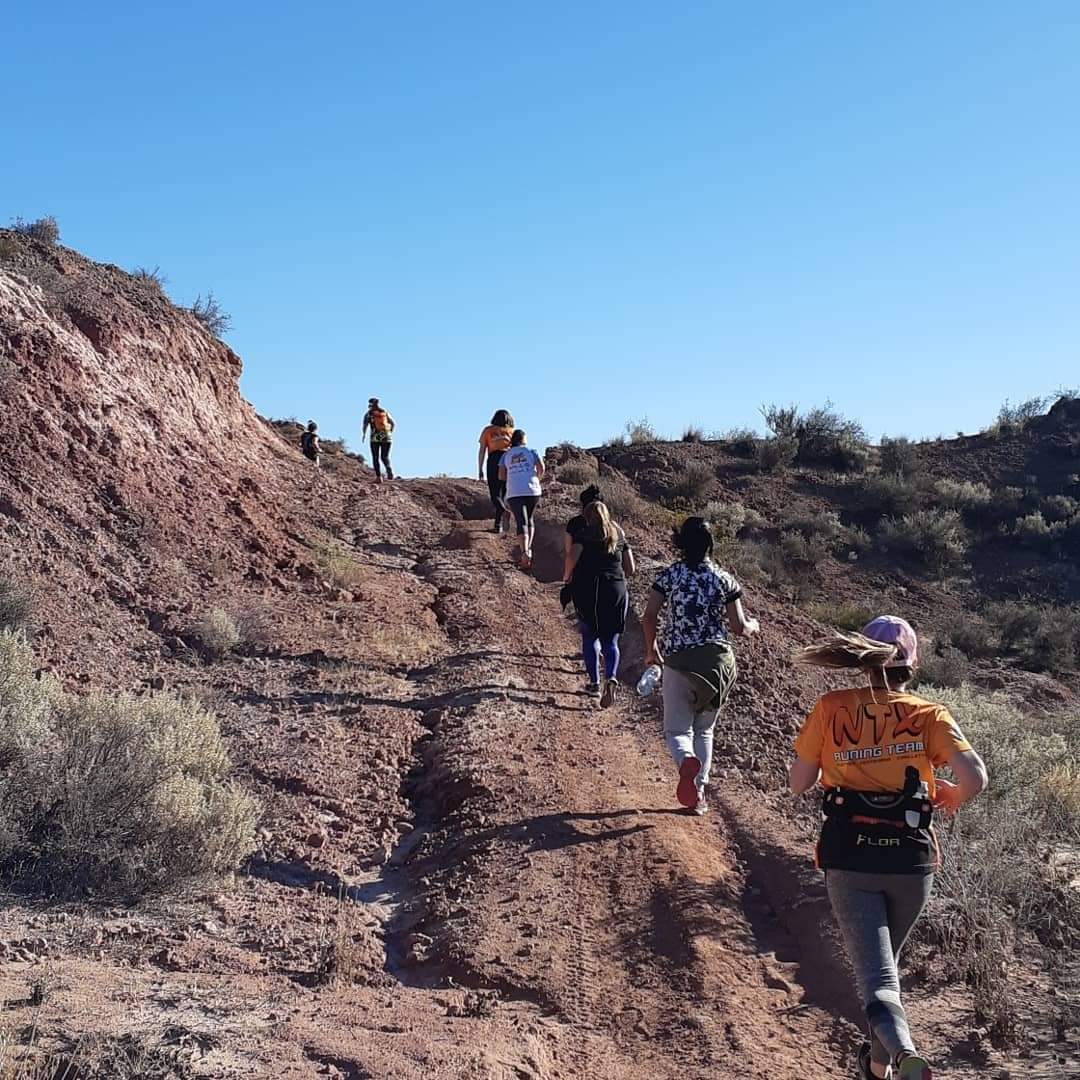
(521, 479)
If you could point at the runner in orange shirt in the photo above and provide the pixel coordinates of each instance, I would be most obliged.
(494, 442)
(874, 748)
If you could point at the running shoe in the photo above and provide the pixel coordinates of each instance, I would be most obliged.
(526, 562)
(687, 792)
(702, 807)
(914, 1068)
(865, 1072)
(593, 689)
(611, 690)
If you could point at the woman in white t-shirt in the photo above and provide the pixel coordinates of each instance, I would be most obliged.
(521, 469)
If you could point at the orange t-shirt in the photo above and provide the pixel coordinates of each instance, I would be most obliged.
(864, 739)
(493, 439)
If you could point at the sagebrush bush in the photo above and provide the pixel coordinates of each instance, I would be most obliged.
(899, 457)
(962, 495)
(211, 314)
(1033, 530)
(1016, 416)
(936, 538)
(692, 483)
(217, 632)
(823, 523)
(822, 436)
(1059, 508)
(944, 665)
(151, 276)
(18, 604)
(969, 633)
(692, 433)
(578, 473)
(726, 517)
(111, 796)
(626, 504)
(44, 230)
(889, 495)
(1042, 637)
(997, 872)
(775, 454)
(793, 564)
(337, 566)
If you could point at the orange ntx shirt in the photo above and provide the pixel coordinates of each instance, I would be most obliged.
(865, 739)
(493, 439)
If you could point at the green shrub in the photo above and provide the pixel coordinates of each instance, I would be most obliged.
(889, 495)
(217, 633)
(111, 796)
(776, 454)
(969, 633)
(1057, 508)
(793, 565)
(944, 666)
(963, 495)
(337, 566)
(823, 523)
(626, 505)
(782, 421)
(899, 457)
(1041, 637)
(1032, 530)
(857, 540)
(17, 605)
(998, 872)
(935, 538)
(1017, 416)
(832, 440)
(45, 230)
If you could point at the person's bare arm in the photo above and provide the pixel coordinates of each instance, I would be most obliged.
(480, 461)
(803, 775)
(971, 779)
(629, 566)
(502, 472)
(367, 424)
(571, 560)
(741, 624)
(649, 622)
(539, 467)
(391, 423)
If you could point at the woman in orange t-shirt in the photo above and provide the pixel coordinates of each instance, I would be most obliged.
(874, 748)
(494, 442)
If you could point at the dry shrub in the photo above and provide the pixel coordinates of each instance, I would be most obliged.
(963, 495)
(936, 538)
(823, 523)
(640, 431)
(217, 633)
(999, 875)
(692, 484)
(18, 604)
(337, 566)
(152, 277)
(112, 796)
(850, 617)
(626, 505)
(742, 442)
(726, 518)
(211, 314)
(44, 230)
(822, 436)
(692, 433)
(944, 665)
(578, 473)
(969, 633)
(793, 565)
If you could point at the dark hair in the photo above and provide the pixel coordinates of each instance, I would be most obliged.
(311, 425)
(694, 541)
(591, 494)
(373, 401)
(517, 438)
(502, 418)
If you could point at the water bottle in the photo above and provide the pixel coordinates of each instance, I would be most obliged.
(650, 680)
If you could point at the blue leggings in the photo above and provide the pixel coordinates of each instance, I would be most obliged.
(592, 647)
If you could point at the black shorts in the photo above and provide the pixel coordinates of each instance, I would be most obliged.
(523, 507)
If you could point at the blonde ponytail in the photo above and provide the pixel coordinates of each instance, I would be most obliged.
(598, 516)
(848, 651)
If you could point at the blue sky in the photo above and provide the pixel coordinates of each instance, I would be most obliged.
(581, 212)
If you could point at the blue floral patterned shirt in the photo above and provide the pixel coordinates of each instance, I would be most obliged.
(697, 599)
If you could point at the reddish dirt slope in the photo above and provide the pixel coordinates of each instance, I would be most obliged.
(464, 869)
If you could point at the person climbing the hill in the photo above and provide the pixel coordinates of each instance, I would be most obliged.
(596, 568)
(382, 425)
(575, 529)
(521, 470)
(309, 443)
(874, 748)
(494, 442)
(699, 665)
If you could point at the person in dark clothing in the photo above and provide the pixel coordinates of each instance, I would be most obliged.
(597, 565)
(309, 443)
(494, 442)
(381, 425)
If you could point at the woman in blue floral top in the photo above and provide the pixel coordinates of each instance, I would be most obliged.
(704, 606)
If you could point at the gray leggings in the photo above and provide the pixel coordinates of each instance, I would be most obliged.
(875, 913)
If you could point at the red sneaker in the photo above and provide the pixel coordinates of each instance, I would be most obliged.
(686, 792)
